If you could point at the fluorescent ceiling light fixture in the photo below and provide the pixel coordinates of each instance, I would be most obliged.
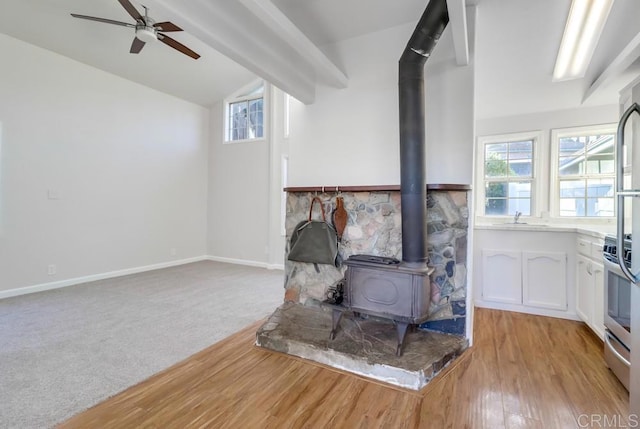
(581, 34)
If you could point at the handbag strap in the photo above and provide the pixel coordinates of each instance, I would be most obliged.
(321, 208)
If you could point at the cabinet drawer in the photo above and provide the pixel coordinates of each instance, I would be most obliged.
(584, 247)
(596, 251)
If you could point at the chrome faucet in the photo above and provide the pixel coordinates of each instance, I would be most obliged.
(516, 217)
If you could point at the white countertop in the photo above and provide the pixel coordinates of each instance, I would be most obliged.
(598, 231)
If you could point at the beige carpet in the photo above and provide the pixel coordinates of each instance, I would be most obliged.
(65, 350)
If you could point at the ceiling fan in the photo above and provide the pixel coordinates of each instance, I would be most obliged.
(147, 29)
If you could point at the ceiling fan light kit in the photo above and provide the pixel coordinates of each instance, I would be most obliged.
(146, 34)
(147, 30)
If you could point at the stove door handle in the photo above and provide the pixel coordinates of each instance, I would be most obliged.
(621, 193)
(607, 341)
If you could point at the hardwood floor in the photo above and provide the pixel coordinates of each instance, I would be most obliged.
(524, 371)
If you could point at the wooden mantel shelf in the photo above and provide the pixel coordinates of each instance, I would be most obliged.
(380, 188)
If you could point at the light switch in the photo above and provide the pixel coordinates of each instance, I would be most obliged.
(52, 194)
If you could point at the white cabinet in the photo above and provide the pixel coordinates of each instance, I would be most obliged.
(590, 284)
(544, 279)
(584, 290)
(598, 301)
(502, 276)
(534, 279)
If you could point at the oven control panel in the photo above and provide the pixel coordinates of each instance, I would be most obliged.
(610, 249)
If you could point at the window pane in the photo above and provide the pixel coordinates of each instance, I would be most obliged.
(238, 120)
(520, 190)
(522, 205)
(508, 163)
(255, 105)
(246, 119)
(496, 151)
(571, 166)
(521, 168)
(496, 189)
(600, 207)
(600, 188)
(496, 168)
(607, 166)
(572, 188)
(591, 159)
(572, 207)
(495, 206)
(496, 163)
(571, 146)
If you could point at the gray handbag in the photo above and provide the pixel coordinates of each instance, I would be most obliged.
(314, 241)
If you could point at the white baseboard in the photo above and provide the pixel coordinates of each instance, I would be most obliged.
(246, 262)
(77, 280)
(529, 310)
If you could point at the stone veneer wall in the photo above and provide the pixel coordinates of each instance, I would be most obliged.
(374, 228)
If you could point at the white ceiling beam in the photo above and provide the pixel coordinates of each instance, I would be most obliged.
(223, 24)
(280, 24)
(458, 23)
(620, 63)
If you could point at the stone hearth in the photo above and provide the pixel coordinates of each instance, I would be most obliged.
(365, 346)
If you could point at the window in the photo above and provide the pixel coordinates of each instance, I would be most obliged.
(287, 122)
(584, 172)
(245, 116)
(507, 174)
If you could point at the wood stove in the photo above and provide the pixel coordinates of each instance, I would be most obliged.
(384, 287)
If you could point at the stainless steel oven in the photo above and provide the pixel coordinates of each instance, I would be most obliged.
(617, 317)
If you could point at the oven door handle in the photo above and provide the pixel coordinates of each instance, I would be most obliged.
(621, 193)
(607, 341)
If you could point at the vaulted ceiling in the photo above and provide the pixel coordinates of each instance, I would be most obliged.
(288, 43)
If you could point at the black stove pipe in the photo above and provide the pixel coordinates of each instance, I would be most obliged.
(412, 131)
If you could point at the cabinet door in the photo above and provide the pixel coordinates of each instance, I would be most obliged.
(597, 274)
(544, 279)
(584, 289)
(502, 276)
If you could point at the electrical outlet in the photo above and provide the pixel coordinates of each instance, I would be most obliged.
(173, 251)
(53, 194)
(51, 269)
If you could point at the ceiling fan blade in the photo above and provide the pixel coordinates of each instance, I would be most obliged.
(131, 10)
(177, 46)
(167, 26)
(136, 46)
(106, 21)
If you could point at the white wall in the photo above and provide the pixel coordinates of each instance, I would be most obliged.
(129, 165)
(350, 136)
(238, 196)
(546, 121)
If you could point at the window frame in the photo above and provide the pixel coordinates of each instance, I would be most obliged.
(247, 94)
(555, 178)
(536, 137)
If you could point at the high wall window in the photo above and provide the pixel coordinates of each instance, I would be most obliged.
(506, 168)
(245, 115)
(584, 172)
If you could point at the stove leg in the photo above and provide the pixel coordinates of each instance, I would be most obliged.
(336, 316)
(401, 329)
